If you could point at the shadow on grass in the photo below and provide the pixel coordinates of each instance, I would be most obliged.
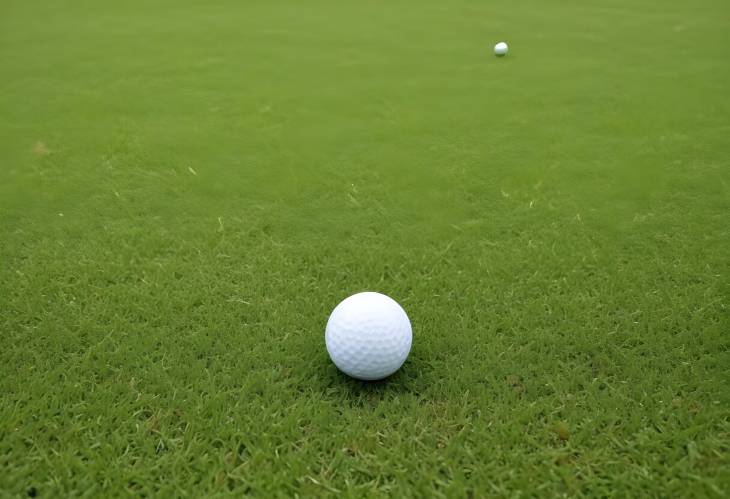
(407, 381)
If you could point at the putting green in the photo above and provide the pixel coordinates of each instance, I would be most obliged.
(187, 189)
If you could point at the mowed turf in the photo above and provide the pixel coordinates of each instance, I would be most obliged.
(187, 189)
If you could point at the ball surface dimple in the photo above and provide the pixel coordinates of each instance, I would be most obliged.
(368, 336)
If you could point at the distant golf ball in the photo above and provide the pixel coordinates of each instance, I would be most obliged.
(501, 49)
(368, 336)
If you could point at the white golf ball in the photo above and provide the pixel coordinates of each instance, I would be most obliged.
(368, 336)
(501, 49)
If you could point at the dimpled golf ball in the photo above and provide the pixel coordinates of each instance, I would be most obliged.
(368, 336)
(501, 49)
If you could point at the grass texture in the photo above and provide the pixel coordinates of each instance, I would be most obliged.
(187, 189)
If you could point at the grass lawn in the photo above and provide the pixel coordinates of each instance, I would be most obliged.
(187, 189)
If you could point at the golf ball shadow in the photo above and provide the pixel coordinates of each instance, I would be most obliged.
(410, 379)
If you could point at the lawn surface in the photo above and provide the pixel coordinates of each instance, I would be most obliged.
(187, 189)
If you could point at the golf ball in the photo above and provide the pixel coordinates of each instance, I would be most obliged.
(501, 49)
(368, 336)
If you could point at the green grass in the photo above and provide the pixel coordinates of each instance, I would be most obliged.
(187, 189)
